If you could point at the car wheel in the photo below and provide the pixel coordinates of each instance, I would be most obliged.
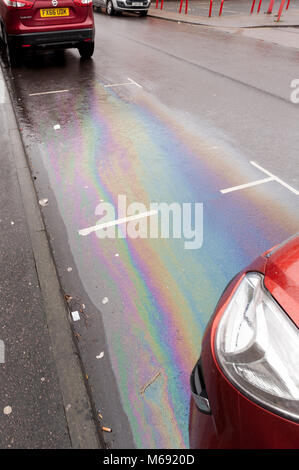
(143, 13)
(110, 8)
(86, 50)
(13, 53)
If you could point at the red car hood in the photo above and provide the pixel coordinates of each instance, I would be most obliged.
(282, 276)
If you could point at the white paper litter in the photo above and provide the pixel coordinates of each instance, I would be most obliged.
(7, 410)
(43, 202)
(75, 316)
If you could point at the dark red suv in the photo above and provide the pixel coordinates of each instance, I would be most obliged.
(34, 24)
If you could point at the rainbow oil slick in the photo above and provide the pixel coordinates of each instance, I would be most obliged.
(161, 296)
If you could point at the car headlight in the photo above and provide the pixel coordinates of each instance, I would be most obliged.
(257, 347)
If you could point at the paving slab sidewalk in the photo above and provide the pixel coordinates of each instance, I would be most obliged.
(290, 17)
(43, 399)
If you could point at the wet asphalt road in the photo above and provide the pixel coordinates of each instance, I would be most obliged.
(208, 103)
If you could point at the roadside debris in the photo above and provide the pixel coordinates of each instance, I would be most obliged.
(56, 127)
(78, 336)
(105, 300)
(43, 202)
(68, 298)
(150, 382)
(100, 355)
(75, 316)
(7, 410)
(106, 429)
(69, 269)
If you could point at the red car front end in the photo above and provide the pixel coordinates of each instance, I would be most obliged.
(245, 388)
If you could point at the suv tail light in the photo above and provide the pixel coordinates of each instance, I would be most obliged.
(25, 4)
(82, 3)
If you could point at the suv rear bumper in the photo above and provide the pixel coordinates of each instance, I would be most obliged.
(65, 38)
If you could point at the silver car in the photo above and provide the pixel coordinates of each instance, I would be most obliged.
(117, 6)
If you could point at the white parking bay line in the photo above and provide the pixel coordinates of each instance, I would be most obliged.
(246, 185)
(95, 228)
(134, 83)
(269, 178)
(278, 180)
(130, 82)
(48, 92)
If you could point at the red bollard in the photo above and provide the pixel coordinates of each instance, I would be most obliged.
(162, 4)
(288, 4)
(252, 7)
(280, 9)
(221, 6)
(259, 7)
(181, 6)
(211, 6)
(271, 4)
(186, 8)
(157, 3)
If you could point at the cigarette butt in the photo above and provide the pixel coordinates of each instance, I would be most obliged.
(106, 429)
(100, 416)
(78, 336)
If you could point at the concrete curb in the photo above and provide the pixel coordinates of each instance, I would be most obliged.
(78, 410)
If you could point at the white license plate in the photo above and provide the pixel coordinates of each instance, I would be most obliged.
(137, 4)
